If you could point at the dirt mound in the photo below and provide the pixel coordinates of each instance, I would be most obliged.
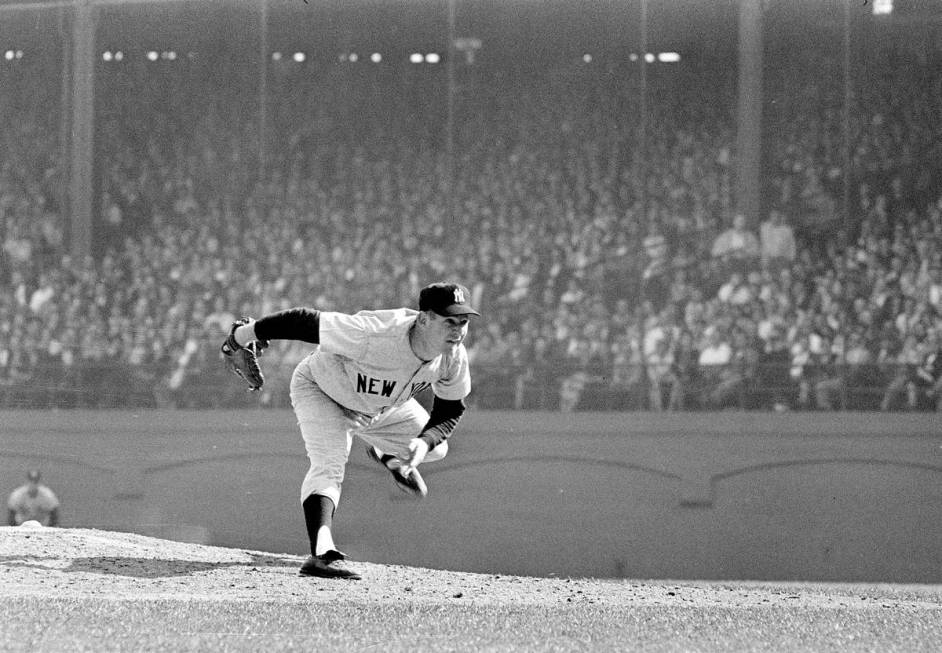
(68, 562)
(85, 562)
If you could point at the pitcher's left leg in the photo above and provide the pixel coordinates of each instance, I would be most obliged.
(392, 431)
(388, 440)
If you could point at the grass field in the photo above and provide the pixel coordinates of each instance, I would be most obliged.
(88, 590)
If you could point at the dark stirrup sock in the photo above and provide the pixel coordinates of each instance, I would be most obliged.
(318, 511)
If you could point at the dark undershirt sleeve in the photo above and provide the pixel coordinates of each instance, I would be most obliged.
(442, 421)
(291, 324)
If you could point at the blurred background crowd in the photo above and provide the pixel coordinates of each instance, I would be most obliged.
(610, 276)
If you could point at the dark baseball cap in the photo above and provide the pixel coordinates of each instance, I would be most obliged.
(447, 299)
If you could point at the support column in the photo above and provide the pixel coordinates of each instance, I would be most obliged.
(81, 190)
(749, 115)
(263, 59)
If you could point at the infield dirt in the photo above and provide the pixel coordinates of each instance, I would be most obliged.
(87, 589)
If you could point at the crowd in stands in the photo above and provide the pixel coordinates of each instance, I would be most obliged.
(613, 271)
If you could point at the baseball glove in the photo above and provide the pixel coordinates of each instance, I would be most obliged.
(243, 361)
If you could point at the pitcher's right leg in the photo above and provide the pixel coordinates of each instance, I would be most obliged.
(325, 428)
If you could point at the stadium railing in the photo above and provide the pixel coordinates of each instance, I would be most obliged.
(111, 385)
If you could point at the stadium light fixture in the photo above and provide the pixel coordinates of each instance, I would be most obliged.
(433, 57)
(276, 56)
(649, 57)
(354, 57)
(632, 57)
(152, 56)
(415, 57)
(882, 7)
(668, 57)
(587, 58)
(9, 55)
(107, 56)
(119, 56)
(469, 45)
(299, 57)
(376, 57)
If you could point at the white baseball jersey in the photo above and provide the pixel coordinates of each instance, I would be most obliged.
(38, 507)
(365, 363)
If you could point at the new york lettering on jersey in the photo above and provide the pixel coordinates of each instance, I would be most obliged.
(386, 387)
(374, 386)
(419, 387)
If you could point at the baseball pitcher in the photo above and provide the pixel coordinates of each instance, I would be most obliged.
(361, 380)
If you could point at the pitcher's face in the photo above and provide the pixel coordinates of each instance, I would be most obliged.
(446, 333)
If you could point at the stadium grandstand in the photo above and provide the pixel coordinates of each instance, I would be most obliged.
(658, 204)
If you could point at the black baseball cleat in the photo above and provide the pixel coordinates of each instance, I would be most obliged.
(413, 483)
(328, 565)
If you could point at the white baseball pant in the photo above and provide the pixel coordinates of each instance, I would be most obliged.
(328, 429)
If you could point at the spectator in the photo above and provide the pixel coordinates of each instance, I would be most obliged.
(829, 378)
(19, 250)
(662, 377)
(628, 383)
(33, 502)
(687, 369)
(571, 389)
(736, 248)
(535, 385)
(717, 375)
(735, 291)
(777, 245)
(852, 375)
(773, 363)
(901, 391)
(928, 380)
(934, 289)
(657, 272)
